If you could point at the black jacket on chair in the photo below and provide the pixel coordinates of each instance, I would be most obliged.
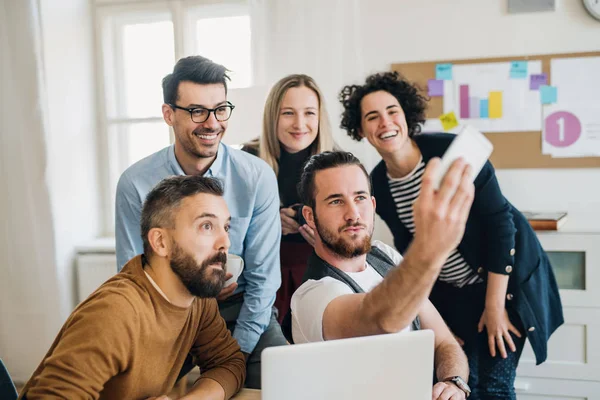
(498, 238)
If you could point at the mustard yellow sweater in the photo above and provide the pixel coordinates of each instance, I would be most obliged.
(126, 341)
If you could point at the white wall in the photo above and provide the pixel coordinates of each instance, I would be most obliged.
(428, 30)
(71, 136)
(49, 172)
(28, 287)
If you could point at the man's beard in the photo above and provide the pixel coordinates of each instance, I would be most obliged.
(340, 246)
(201, 280)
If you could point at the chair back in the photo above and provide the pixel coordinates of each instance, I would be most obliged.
(7, 387)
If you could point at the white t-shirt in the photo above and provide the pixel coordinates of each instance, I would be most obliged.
(311, 299)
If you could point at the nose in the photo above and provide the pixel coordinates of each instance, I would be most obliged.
(384, 121)
(299, 121)
(211, 122)
(352, 212)
(223, 243)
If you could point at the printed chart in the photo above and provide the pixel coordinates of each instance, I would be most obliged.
(492, 97)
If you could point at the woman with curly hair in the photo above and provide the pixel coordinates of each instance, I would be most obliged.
(295, 127)
(497, 288)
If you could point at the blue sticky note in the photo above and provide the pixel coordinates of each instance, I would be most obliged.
(518, 69)
(443, 72)
(548, 94)
(484, 109)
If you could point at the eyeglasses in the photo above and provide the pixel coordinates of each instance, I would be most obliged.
(199, 115)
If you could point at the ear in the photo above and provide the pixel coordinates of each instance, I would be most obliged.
(168, 114)
(360, 132)
(307, 213)
(374, 203)
(159, 242)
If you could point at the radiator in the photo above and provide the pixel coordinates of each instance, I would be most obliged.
(93, 269)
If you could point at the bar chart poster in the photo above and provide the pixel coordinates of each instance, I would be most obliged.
(494, 97)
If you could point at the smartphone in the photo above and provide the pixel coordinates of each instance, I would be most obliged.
(472, 146)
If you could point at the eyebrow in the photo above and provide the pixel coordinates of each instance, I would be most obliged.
(201, 106)
(292, 108)
(206, 215)
(210, 215)
(338, 195)
(387, 108)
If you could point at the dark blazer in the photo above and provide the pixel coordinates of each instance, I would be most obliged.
(497, 238)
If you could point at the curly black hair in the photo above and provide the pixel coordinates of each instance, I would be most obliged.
(407, 93)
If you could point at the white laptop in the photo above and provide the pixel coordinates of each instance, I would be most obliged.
(394, 366)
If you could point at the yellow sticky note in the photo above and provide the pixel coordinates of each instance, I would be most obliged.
(495, 105)
(449, 120)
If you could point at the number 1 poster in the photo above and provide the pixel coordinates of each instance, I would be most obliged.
(571, 130)
(571, 126)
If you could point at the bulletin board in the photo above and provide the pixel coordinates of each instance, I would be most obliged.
(511, 149)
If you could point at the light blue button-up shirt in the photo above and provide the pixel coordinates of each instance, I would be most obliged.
(252, 197)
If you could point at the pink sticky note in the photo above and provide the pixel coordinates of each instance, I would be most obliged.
(436, 87)
(537, 80)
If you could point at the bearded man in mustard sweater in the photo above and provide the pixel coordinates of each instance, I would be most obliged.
(130, 338)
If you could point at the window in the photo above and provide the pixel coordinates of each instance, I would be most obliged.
(222, 33)
(139, 44)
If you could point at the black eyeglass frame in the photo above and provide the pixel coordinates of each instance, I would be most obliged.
(210, 110)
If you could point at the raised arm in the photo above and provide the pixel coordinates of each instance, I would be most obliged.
(440, 218)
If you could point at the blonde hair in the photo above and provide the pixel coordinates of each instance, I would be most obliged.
(269, 147)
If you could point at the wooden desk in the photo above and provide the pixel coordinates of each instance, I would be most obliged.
(247, 394)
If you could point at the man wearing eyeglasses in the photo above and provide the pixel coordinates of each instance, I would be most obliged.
(196, 107)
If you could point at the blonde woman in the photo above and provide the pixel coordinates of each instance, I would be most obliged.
(295, 126)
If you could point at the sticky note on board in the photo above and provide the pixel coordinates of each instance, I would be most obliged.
(518, 69)
(448, 121)
(435, 87)
(495, 105)
(537, 80)
(548, 94)
(484, 108)
(443, 72)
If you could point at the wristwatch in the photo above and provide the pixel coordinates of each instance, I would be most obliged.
(460, 383)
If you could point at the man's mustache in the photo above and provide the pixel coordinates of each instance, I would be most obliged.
(352, 225)
(219, 258)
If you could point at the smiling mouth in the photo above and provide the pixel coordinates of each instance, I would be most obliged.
(207, 136)
(388, 135)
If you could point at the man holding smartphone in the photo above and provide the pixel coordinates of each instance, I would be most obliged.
(352, 286)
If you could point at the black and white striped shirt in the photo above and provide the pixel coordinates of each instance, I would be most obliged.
(405, 191)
